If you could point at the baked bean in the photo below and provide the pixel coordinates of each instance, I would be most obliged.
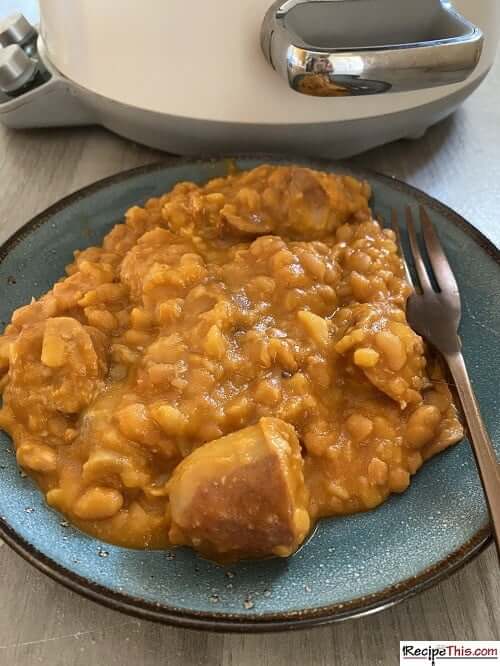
(349, 340)
(140, 318)
(365, 357)
(302, 521)
(314, 265)
(383, 428)
(166, 349)
(135, 423)
(392, 348)
(215, 343)
(414, 461)
(37, 457)
(170, 310)
(135, 338)
(56, 498)
(170, 419)
(316, 327)
(378, 471)
(316, 442)
(267, 393)
(359, 426)
(360, 261)
(338, 490)
(422, 425)
(98, 503)
(360, 286)
(399, 479)
(344, 233)
(249, 198)
(101, 319)
(369, 494)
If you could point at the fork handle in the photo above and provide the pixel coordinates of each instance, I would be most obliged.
(489, 470)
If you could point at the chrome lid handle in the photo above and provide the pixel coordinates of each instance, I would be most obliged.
(341, 48)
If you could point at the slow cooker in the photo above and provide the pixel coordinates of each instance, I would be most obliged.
(324, 77)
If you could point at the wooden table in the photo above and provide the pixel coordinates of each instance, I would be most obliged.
(43, 623)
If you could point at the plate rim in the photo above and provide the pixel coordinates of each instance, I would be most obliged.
(266, 622)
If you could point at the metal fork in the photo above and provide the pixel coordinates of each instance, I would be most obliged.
(435, 315)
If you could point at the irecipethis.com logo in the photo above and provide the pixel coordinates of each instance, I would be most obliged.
(449, 653)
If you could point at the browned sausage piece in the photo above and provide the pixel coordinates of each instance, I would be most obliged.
(242, 495)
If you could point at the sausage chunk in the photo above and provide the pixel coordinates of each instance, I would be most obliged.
(242, 495)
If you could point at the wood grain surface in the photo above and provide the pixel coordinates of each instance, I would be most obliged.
(41, 622)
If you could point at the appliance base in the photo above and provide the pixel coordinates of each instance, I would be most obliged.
(335, 140)
(60, 102)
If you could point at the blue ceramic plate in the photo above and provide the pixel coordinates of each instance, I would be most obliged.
(352, 565)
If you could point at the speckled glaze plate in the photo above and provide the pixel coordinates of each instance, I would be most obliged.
(351, 566)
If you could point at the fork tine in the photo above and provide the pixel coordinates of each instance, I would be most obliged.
(425, 283)
(399, 242)
(442, 271)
